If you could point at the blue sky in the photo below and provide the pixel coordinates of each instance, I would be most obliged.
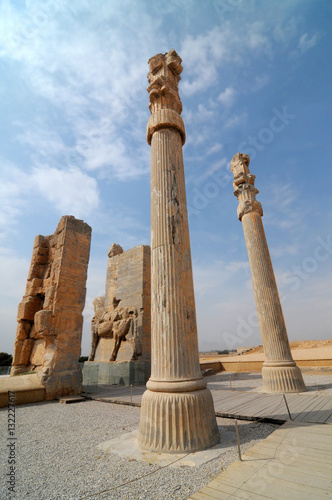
(74, 108)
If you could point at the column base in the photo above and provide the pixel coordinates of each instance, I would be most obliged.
(177, 422)
(282, 377)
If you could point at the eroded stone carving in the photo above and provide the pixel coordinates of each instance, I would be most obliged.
(120, 327)
(118, 324)
(48, 338)
(279, 373)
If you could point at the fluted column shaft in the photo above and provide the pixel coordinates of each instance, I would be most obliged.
(177, 412)
(279, 373)
(270, 316)
(174, 336)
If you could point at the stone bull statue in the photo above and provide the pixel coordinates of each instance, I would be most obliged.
(117, 323)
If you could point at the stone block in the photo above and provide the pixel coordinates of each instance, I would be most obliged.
(23, 329)
(38, 352)
(23, 354)
(43, 322)
(28, 308)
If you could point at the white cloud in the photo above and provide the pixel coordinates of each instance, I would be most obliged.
(281, 251)
(42, 140)
(306, 43)
(260, 82)
(227, 96)
(282, 208)
(201, 114)
(285, 30)
(214, 149)
(13, 275)
(71, 192)
(217, 165)
(235, 120)
(236, 266)
(218, 46)
(95, 84)
(14, 186)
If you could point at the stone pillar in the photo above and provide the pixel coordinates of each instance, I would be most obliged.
(280, 373)
(177, 413)
(49, 330)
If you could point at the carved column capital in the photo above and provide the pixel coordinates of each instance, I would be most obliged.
(165, 103)
(244, 186)
(165, 118)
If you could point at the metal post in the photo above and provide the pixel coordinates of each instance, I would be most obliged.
(238, 439)
(289, 413)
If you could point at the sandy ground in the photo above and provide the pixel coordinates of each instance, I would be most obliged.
(300, 344)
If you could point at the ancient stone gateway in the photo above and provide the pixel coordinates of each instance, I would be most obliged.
(49, 331)
(121, 326)
(177, 412)
(280, 373)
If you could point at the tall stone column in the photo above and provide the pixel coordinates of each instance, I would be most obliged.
(177, 413)
(280, 373)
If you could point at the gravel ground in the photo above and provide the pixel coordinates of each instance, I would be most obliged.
(318, 381)
(57, 455)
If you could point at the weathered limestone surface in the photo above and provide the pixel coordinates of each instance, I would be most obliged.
(49, 331)
(177, 412)
(121, 326)
(280, 373)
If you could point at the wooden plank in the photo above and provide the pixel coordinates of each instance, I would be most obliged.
(236, 478)
(305, 403)
(325, 415)
(231, 407)
(314, 407)
(295, 462)
(213, 493)
(260, 454)
(247, 407)
(228, 398)
(311, 427)
(283, 494)
(231, 402)
(198, 496)
(323, 412)
(241, 494)
(297, 439)
(294, 401)
(270, 408)
(287, 458)
(296, 475)
(317, 445)
(239, 404)
(217, 484)
(237, 400)
(278, 488)
(256, 403)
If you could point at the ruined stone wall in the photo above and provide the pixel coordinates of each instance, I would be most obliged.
(49, 331)
(128, 288)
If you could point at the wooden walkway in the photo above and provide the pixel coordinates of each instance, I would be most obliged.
(305, 407)
(293, 463)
